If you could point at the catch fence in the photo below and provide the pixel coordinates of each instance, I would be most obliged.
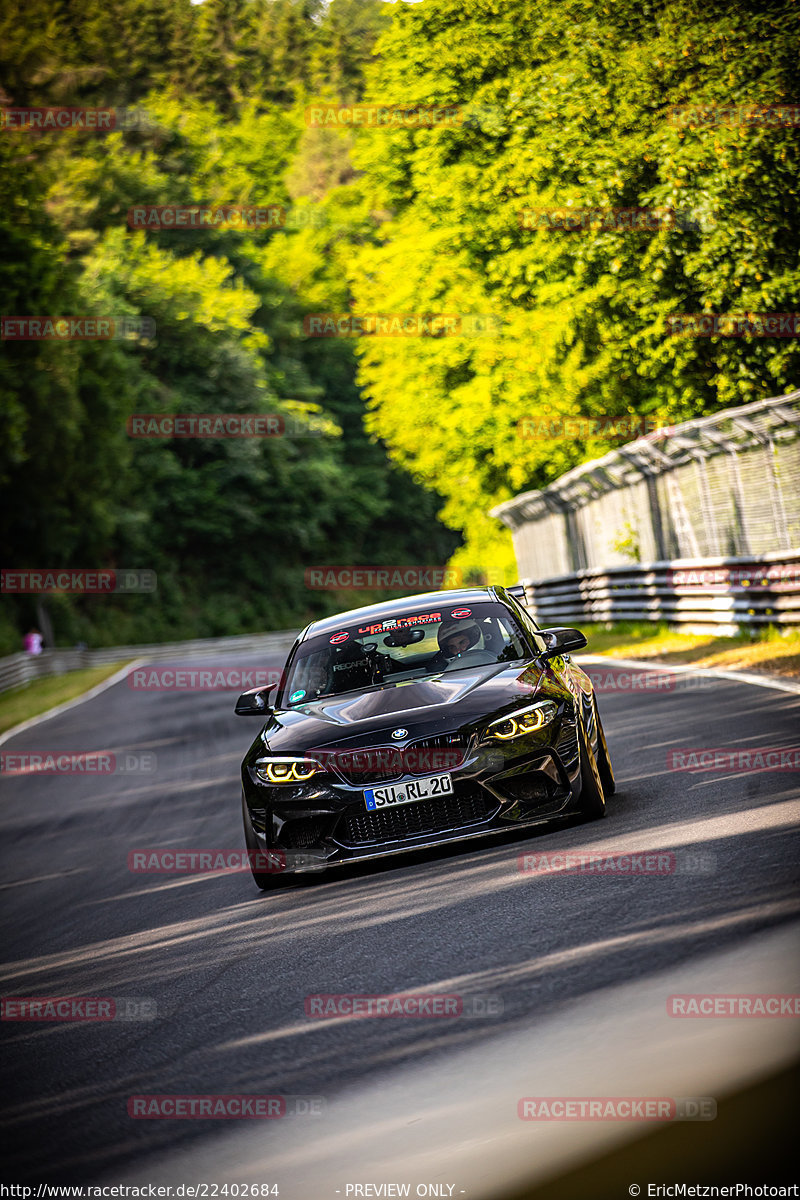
(718, 497)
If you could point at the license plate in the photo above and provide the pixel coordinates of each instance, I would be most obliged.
(392, 794)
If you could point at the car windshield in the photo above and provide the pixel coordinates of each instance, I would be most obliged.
(414, 646)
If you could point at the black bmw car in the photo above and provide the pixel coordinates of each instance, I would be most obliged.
(431, 719)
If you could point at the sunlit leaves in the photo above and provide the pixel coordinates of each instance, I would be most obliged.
(576, 96)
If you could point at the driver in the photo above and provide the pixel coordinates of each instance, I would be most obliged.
(456, 637)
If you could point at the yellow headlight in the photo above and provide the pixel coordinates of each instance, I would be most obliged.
(505, 730)
(278, 772)
(305, 770)
(287, 770)
(527, 721)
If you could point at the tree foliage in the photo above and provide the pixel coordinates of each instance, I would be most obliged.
(573, 100)
(229, 525)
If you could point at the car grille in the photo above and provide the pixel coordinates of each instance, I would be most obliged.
(445, 752)
(469, 806)
(374, 764)
(384, 764)
(443, 741)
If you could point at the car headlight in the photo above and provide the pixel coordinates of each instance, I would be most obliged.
(525, 720)
(287, 770)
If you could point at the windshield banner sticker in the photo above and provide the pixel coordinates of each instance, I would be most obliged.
(401, 623)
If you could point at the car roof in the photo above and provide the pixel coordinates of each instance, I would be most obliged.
(388, 609)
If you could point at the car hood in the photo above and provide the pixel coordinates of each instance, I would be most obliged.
(423, 707)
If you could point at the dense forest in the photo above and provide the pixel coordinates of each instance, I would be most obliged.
(396, 447)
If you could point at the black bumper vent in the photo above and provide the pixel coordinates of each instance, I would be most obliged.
(302, 833)
(568, 744)
(470, 806)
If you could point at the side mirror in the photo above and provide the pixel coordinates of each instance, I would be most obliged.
(562, 641)
(254, 702)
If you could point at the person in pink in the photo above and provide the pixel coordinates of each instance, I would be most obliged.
(32, 642)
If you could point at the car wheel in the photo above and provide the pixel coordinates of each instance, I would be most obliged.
(603, 757)
(266, 880)
(593, 802)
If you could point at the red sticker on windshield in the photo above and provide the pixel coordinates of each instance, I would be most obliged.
(339, 637)
(461, 612)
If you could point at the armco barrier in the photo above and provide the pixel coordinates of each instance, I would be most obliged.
(18, 669)
(710, 595)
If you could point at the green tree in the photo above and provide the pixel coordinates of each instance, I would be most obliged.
(567, 105)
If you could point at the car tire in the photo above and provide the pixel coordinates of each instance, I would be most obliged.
(603, 757)
(593, 803)
(265, 880)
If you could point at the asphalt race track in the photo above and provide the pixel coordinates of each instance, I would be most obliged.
(220, 972)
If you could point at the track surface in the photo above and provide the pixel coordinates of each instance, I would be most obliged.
(228, 968)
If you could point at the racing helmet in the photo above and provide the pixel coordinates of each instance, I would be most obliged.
(449, 629)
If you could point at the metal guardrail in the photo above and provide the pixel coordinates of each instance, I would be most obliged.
(18, 669)
(709, 595)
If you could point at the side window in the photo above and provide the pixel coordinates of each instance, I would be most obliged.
(501, 637)
(530, 627)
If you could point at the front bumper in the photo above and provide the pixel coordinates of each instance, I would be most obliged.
(325, 822)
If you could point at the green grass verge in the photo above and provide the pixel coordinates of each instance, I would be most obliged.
(22, 703)
(769, 652)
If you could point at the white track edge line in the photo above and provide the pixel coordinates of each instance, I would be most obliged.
(765, 681)
(68, 704)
